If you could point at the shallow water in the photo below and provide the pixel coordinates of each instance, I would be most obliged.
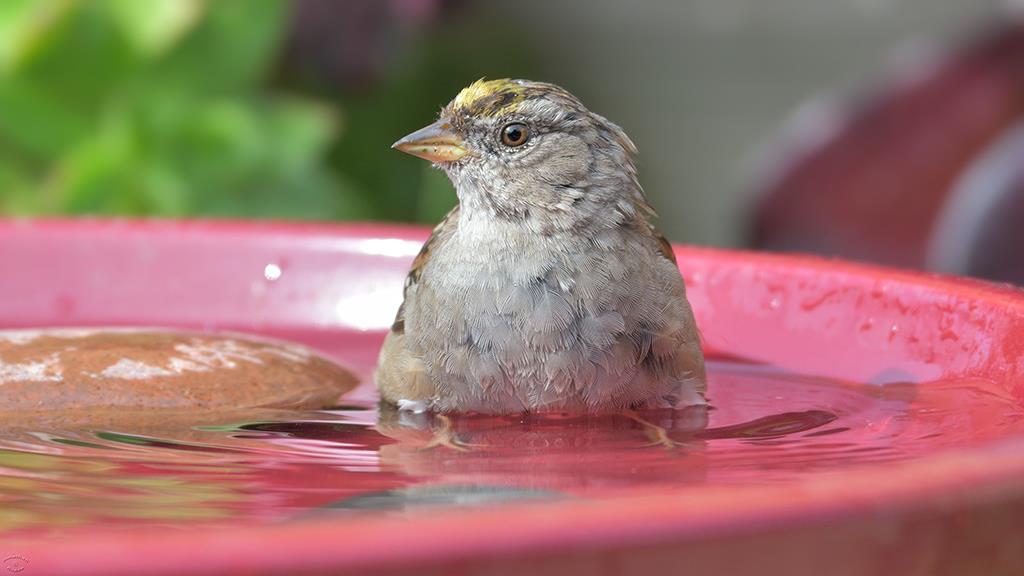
(178, 471)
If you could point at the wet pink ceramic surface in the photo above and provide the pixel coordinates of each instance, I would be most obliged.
(868, 421)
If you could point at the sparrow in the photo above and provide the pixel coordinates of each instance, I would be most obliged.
(547, 288)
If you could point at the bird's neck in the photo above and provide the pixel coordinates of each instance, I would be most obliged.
(562, 211)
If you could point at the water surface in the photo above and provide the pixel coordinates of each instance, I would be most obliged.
(264, 466)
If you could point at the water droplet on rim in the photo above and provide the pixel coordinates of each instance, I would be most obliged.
(272, 272)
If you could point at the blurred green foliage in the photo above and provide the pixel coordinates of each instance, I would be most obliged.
(139, 108)
(164, 107)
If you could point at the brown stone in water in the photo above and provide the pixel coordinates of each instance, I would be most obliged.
(48, 370)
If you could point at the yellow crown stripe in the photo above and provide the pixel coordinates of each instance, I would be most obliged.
(487, 91)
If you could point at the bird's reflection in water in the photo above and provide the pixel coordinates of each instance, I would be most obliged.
(568, 454)
(549, 456)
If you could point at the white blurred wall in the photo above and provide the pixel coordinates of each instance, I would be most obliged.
(702, 85)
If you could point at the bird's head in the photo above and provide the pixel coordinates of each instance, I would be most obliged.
(530, 151)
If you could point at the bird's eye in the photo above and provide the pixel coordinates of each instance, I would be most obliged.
(515, 134)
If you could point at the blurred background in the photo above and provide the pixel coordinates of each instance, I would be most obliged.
(883, 130)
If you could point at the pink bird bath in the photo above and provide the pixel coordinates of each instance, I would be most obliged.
(864, 421)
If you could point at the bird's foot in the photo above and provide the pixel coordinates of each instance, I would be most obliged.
(657, 435)
(445, 437)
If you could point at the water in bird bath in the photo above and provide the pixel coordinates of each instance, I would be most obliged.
(262, 466)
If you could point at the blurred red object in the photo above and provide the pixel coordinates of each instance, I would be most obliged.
(925, 174)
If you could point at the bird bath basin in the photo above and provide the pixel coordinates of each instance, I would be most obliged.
(864, 421)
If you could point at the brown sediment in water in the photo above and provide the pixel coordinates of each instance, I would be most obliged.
(114, 373)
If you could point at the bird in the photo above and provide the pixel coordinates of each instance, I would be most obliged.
(547, 288)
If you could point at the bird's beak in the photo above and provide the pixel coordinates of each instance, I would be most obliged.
(437, 143)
